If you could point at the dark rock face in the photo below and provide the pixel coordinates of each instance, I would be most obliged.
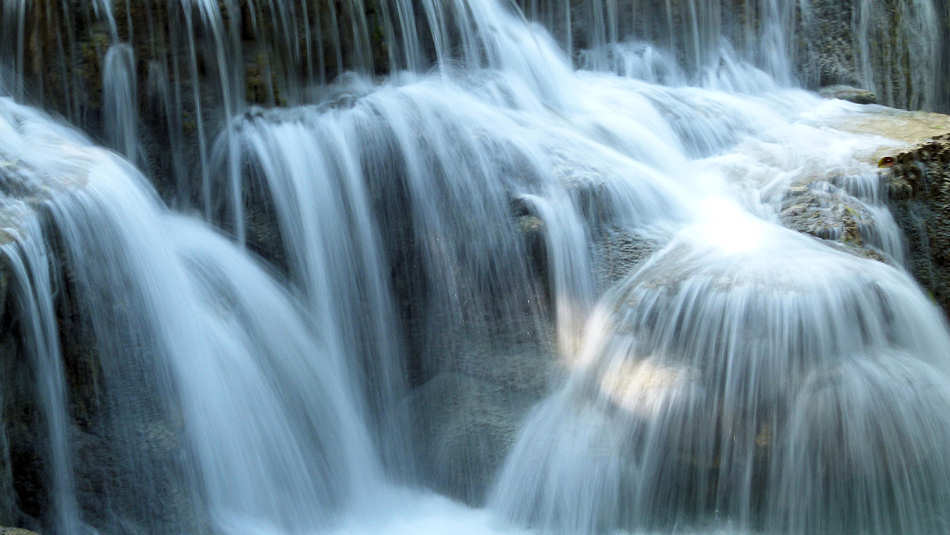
(55, 54)
(942, 72)
(618, 253)
(108, 454)
(466, 427)
(826, 47)
(22, 481)
(918, 185)
(893, 48)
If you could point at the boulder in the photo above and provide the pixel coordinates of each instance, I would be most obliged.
(828, 212)
(463, 431)
(849, 93)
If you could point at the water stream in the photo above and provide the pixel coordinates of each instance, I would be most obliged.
(532, 280)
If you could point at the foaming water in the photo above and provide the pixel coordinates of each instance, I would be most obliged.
(596, 262)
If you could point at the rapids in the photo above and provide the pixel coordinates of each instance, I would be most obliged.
(395, 304)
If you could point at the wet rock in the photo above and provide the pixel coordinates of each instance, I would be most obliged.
(830, 213)
(108, 456)
(825, 211)
(7, 358)
(532, 229)
(16, 531)
(849, 93)
(22, 482)
(892, 47)
(617, 254)
(465, 428)
(826, 44)
(918, 186)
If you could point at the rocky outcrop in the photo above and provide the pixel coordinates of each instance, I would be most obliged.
(828, 212)
(918, 186)
(16, 531)
(825, 211)
(849, 93)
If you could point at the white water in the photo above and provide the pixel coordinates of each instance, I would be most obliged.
(742, 378)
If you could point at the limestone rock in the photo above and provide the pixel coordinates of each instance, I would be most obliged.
(849, 93)
(825, 211)
(918, 185)
(617, 253)
(465, 428)
(828, 212)
(16, 531)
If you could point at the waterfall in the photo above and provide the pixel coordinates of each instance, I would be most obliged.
(204, 338)
(678, 413)
(478, 266)
(120, 101)
(33, 283)
(907, 43)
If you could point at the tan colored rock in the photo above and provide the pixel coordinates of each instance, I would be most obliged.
(904, 128)
(849, 93)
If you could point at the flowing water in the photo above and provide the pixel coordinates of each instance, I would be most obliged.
(566, 296)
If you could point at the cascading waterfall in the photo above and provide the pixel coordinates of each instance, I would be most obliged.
(567, 298)
(33, 283)
(911, 46)
(678, 414)
(183, 319)
(120, 101)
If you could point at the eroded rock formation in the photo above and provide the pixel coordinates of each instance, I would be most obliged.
(918, 185)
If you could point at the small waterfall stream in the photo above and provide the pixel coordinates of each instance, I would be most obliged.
(567, 267)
